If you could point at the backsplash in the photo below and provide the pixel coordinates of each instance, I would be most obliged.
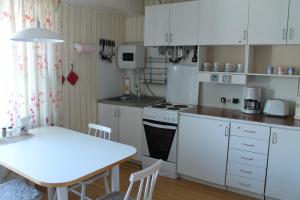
(272, 87)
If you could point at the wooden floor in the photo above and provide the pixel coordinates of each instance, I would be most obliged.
(166, 189)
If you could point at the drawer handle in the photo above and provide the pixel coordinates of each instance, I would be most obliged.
(244, 184)
(245, 158)
(245, 171)
(248, 145)
(252, 132)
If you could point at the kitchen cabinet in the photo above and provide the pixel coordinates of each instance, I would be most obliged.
(157, 19)
(126, 124)
(131, 128)
(268, 21)
(202, 148)
(283, 177)
(183, 23)
(293, 36)
(171, 24)
(247, 158)
(223, 22)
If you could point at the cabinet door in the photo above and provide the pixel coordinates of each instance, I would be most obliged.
(130, 128)
(202, 148)
(157, 25)
(183, 23)
(283, 177)
(107, 116)
(294, 23)
(268, 21)
(223, 22)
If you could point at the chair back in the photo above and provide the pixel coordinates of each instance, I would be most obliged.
(99, 131)
(150, 175)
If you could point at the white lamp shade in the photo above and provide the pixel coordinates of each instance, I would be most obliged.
(37, 35)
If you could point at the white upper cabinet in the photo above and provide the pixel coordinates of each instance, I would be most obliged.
(293, 36)
(183, 23)
(283, 177)
(157, 20)
(268, 21)
(223, 22)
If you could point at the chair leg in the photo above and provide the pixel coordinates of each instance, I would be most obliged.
(106, 185)
(83, 191)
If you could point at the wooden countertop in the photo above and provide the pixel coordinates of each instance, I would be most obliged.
(238, 115)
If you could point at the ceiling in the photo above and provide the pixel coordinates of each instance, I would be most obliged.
(128, 7)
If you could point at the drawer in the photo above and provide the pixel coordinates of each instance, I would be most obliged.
(248, 158)
(257, 173)
(248, 144)
(251, 131)
(245, 184)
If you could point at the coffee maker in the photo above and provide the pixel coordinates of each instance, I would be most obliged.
(251, 103)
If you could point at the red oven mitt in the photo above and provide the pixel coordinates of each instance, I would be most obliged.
(72, 77)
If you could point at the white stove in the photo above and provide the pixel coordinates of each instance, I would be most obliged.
(164, 112)
(161, 120)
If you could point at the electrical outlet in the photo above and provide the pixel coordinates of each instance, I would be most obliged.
(235, 101)
(223, 99)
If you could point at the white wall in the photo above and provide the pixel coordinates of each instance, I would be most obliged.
(85, 25)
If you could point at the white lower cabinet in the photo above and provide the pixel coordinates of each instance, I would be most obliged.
(202, 148)
(126, 124)
(247, 159)
(283, 175)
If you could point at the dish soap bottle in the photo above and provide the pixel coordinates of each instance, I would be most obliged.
(127, 86)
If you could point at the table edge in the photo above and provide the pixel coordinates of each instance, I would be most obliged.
(69, 183)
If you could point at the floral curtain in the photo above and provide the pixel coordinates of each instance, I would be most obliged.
(30, 73)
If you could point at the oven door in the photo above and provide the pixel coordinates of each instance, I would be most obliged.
(160, 140)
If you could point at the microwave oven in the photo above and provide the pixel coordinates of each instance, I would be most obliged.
(131, 56)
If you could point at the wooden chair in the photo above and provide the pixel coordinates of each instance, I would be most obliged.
(150, 174)
(104, 133)
(16, 190)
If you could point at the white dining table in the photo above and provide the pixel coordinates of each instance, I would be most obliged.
(56, 158)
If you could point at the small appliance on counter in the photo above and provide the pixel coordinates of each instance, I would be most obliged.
(251, 103)
(276, 107)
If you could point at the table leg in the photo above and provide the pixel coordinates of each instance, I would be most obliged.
(62, 193)
(50, 193)
(115, 179)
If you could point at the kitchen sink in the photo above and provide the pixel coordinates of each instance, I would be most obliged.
(123, 98)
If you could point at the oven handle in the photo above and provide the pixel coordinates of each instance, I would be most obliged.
(159, 126)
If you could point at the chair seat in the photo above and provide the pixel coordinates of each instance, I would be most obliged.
(18, 190)
(115, 196)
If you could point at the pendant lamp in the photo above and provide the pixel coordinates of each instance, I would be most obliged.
(37, 34)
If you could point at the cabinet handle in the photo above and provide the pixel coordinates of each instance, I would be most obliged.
(291, 33)
(245, 35)
(245, 158)
(284, 34)
(274, 138)
(226, 131)
(171, 37)
(246, 131)
(116, 114)
(167, 37)
(244, 184)
(119, 112)
(245, 171)
(248, 145)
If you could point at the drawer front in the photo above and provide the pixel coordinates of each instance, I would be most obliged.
(251, 131)
(247, 158)
(257, 173)
(245, 184)
(248, 144)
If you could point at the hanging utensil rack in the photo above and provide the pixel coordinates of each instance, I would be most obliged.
(155, 75)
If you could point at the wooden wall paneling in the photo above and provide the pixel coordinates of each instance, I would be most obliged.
(72, 31)
(92, 84)
(66, 105)
(88, 87)
(83, 113)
